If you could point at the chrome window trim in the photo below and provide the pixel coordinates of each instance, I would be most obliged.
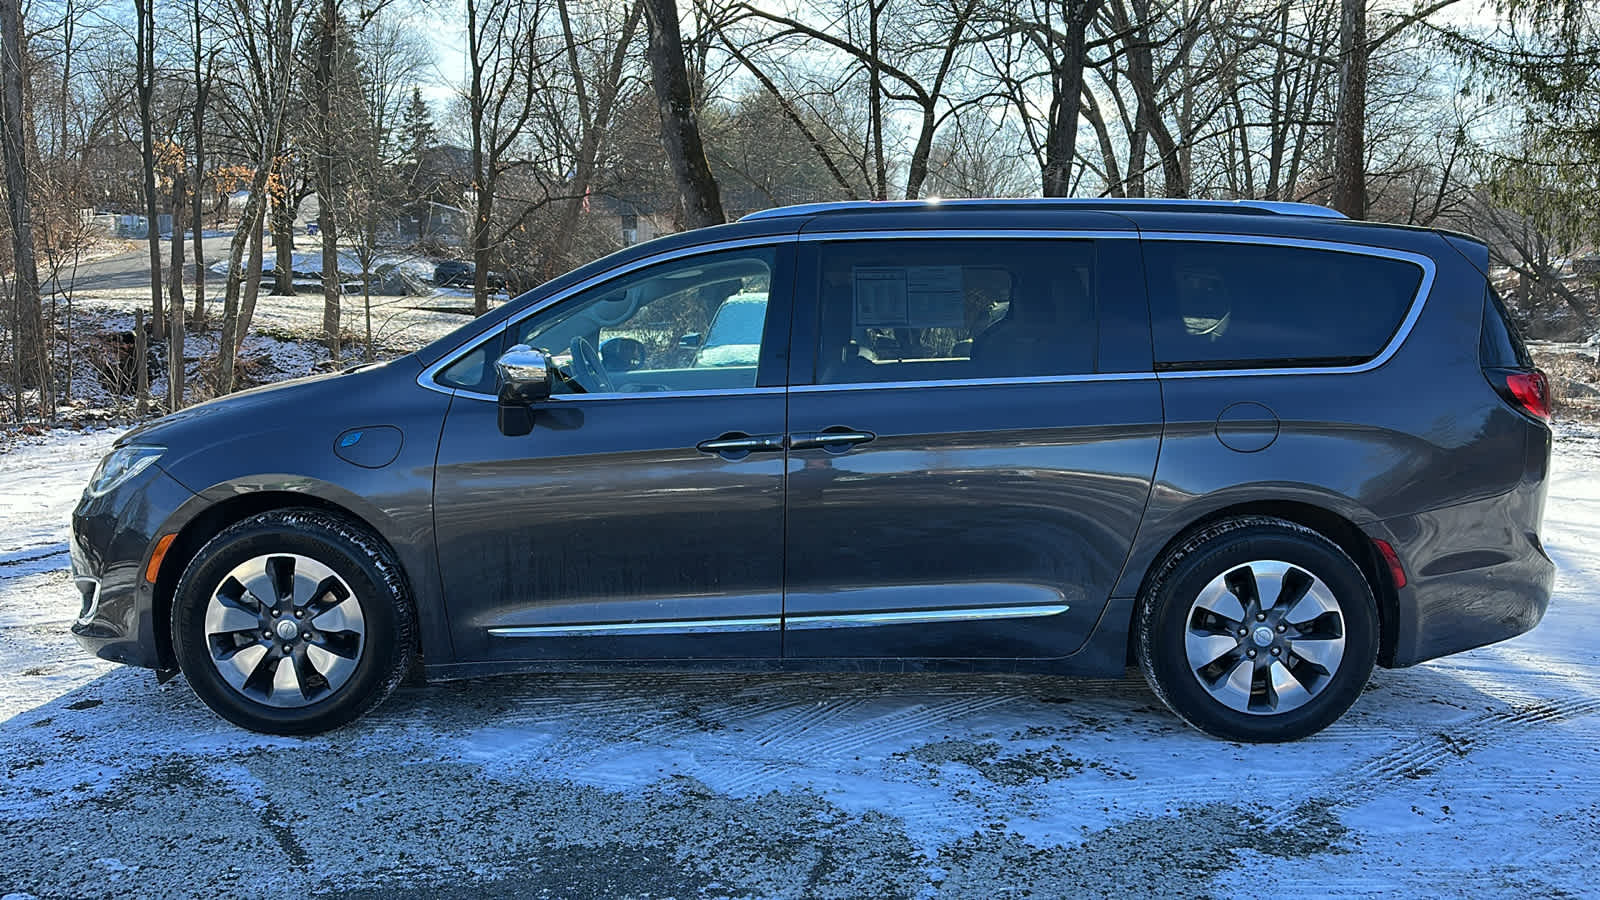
(1025, 234)
(1086, 204)
(668, 626)
(975, 382)
(1424, 288)
(1426, 264)
(920, 616)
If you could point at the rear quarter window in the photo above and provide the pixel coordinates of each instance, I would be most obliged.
(1234, 305)
(1500, 345)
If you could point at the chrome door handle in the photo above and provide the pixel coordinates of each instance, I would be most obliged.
(739, 443)
(831, 440)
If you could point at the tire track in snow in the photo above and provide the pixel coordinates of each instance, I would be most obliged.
(791, 730)
(903, 722)
(1420, 756)
(16, 556)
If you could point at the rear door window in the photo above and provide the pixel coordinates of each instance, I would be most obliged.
(910, 310)
(1216, 305)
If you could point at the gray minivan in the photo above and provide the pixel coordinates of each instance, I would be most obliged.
(1252, 448)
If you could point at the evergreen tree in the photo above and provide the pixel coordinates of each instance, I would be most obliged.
(415, 135)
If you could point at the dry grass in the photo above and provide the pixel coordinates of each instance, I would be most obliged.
(1574, 374)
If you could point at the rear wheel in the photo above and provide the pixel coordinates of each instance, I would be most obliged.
(293, 622)
(1258, 629)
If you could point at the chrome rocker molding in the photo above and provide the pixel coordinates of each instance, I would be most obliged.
(772, 623)
(426, 378)
(867, 620)
(679, 626)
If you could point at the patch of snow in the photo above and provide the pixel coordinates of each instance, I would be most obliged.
(1459, 777)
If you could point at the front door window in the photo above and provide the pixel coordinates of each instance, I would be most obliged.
(685, 325)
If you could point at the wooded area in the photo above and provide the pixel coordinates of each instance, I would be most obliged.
(551, 125)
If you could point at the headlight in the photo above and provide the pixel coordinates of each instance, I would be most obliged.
(120, 465)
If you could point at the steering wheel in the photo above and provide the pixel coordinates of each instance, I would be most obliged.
(586, 360)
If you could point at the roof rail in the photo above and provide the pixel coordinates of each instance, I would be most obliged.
(1278, 207)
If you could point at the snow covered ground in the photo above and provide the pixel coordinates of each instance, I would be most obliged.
(1474, 775)
(398, 323)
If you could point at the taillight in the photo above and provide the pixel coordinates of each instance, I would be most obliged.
(1531, 392)
(1392, 560)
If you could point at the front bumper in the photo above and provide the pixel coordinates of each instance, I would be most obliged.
(112, 538)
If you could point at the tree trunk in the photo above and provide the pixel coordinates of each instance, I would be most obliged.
(252, 287)
(141, 364)
(880, 169)
(1349, 121)
(326, 220)
(480, 252)
(1142, 77)
(180, 200)
(31, 353)
(482, 167)
(198, 209)
(595, 123)
(282, 248)
(228, 344)
(1061, 138)
(680, 125)
(145, 76)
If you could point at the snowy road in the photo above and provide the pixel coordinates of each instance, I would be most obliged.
(1474, 775)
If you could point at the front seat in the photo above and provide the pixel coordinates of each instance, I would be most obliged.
(1049, 330)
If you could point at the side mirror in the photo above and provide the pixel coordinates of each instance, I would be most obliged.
(526, 375)
(690, 341)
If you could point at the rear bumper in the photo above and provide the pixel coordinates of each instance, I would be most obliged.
(1476, 574)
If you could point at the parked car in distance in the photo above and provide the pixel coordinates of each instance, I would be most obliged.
(1253, 449)
(734, 336)
(460, 273)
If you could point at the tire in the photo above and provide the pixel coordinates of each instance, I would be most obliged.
(1323, 635)
(341, 620)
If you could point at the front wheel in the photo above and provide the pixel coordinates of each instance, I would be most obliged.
(1258, 629)
(293, 622)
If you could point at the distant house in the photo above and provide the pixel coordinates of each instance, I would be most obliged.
(427, 223)
(132, 225)
(235, 203)
(630, 221)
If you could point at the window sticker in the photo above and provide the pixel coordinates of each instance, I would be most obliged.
(934, 297)
(908, 296)
(880, 296)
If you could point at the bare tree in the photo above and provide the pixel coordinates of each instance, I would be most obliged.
(179, 178)
(327, 137)
(262, 58)
(596, 94)
(30, 352)
(145, 85)
(680, 122)
(203, 58)
(910, 56)
(500, 98)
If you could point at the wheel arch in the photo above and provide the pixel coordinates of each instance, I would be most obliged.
(213, 517)
(1339, 529)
